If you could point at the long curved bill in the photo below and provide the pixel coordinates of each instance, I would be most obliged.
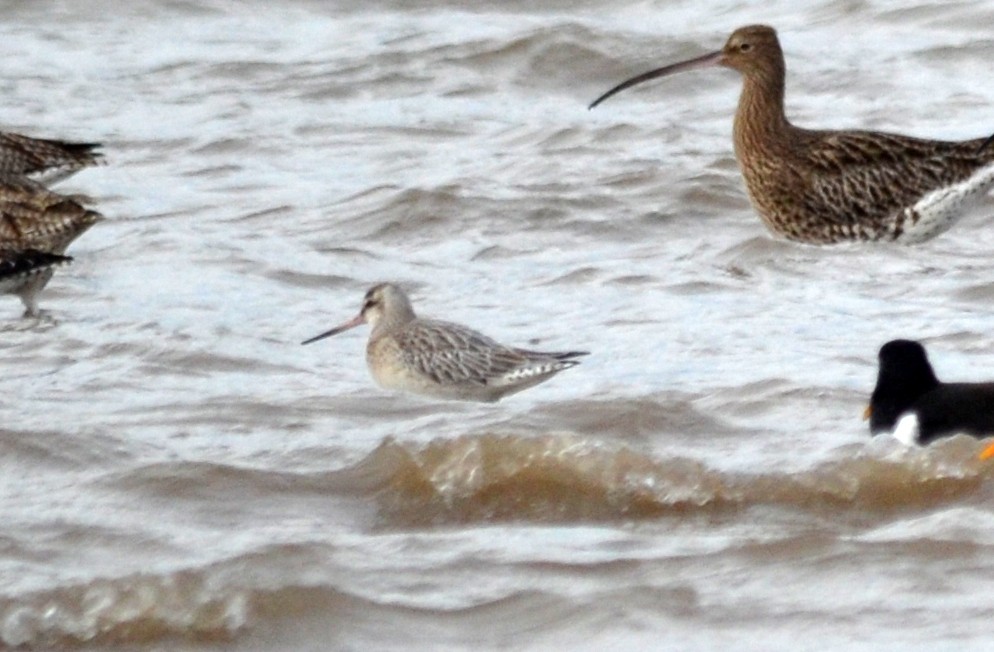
(706, 61)
(358, 320)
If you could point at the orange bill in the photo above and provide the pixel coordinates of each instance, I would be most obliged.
(987, 453)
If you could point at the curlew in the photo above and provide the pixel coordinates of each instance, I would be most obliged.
(831, 186)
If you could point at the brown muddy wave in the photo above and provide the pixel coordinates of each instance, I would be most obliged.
(133, 609)
(566, 477)
(184, 610)
(217, 607)
(469, 479)
(563, 477)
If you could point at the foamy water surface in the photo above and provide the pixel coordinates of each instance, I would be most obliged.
(179, 473)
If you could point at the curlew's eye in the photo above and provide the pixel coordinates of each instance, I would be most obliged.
(745, 47)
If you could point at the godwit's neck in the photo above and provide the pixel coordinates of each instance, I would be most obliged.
(760, 123)
(393, 320)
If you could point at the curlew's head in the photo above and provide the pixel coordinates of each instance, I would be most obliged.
(753, 50)
(383, 302)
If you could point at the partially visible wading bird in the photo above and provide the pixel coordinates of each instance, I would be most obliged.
(33, 218)
(43, 160)
(18, 269)
(442, 359)
(913, 405)
(826, 186)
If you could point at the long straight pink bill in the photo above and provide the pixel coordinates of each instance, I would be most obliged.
(358, 320)
(706, 61)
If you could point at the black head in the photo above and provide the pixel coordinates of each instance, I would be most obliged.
(904, 375)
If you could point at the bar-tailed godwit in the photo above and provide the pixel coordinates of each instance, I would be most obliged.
(911, 403)
(821, 186)
(442, 359)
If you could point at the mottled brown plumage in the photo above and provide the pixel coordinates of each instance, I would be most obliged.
(45, 160)
(821, 186)
(48, 227)
(22, 190)
(36, 219)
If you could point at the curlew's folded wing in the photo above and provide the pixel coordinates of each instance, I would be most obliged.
(871, 176)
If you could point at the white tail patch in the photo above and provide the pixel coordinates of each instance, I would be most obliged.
(941, 208)
(534, 372)
(907, 430)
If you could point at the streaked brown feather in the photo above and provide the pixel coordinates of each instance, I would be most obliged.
(25, 156)
(35, 219)
(49, 227)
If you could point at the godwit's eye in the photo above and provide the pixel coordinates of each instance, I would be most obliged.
(745, 47)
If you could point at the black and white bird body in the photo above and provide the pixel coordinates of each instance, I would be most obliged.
(912, 404)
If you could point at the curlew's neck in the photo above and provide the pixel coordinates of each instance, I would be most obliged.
(760, 124)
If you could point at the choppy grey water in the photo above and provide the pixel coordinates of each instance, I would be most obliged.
(179, 473)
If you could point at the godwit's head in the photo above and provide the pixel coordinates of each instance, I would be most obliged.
(753, 50)
(384, 303)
